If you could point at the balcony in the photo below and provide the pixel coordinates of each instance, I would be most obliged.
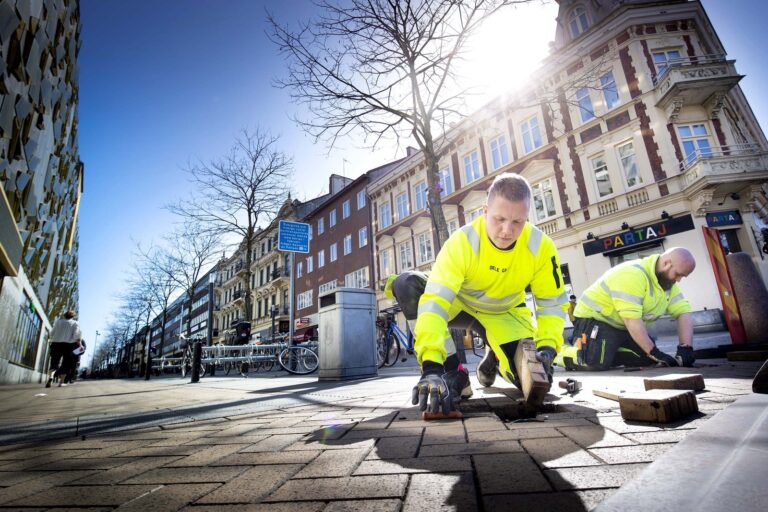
(724, 164)
(695, 81)
(238, 295)
(280, 272)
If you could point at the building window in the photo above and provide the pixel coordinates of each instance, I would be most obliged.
(386, 263)
(602, 178)
(420, 191)
(320, 225)
(543, 200)
(695, 142)
(347, 244)
(406, 255)
(471, 167)
(446, 184)
(332, 218)
(453, 226)
(357, 279)
(531, 134)
(401, 201)
(472, 215)
(346, 207)
(629, 165)
(300, 269)
(578, 22)
(321, 258)
(310, 231)
(327, 287)
(304, 300)
(310, 265)
(664, 59)
(610, 92)
(26, 340)
(360, 199)
(333, 251)
(362, 237)
(499, 152)
(385, 216)
(585, 104)
(424, 241)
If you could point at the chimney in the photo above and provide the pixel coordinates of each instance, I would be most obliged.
(410, 151)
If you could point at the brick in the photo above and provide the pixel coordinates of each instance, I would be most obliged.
(439, 450)
(395, 448)
(415, 465)
(437, 492)
(176, 475)
(593, 477)
(126, 471)
(391, 505)
(661, 436)
(37, 485)
(509, 473)
(693, 381)
(513, 435)
(658, 405)
(444, 435)
(355, 487)
(628, 454)
(266, 458)
(594, 437)
(557, 453)
(169, 498)
(560, 501)
(85, 496)
(333, 463)
(253, 485)
(209, 455)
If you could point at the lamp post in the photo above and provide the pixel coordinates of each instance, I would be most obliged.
(273, 313)
(95, 345)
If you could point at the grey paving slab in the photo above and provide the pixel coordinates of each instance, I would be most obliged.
(445, 435)
(415, 465)
(439, 492)
(660, 436)
(440, 450)
(395, 448)
(275, 443)
(594, 437)
(331, 444)
(136, 467)
(204, 456)
(88, 495)
(388, 432)
(168, 498)
(579, 501)
(509, 473)
(558, 453)
(390, 505)
(27, 488)
(355, 487)
(333, 463)
(267, 458)
(9, 478)
(252, 485)
(306, 506)
(593, 477)
(513, 435)
(179, 475)
(629, 454)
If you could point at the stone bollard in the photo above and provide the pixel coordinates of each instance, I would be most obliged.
(751, 295)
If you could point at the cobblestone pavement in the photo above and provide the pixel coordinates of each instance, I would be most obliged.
(293, 444)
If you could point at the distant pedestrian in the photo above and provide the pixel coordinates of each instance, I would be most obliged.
(78, 352)
(65, 337)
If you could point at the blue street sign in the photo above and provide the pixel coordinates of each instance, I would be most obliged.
(293, 237)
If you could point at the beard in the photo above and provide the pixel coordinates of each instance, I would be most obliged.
(665, 283)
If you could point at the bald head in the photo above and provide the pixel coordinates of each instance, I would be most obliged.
(673, 265)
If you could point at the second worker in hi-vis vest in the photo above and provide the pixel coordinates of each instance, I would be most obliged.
(479, 281)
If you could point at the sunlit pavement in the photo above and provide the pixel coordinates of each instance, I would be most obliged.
(293, 443)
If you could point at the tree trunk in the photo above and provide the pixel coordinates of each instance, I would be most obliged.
(433, 191)
(248, 261)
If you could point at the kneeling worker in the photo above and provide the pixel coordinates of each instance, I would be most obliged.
(479, 280)
(612, 314)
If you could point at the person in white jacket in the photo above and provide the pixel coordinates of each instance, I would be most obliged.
(65, 338)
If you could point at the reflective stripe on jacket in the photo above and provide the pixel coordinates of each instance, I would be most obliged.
(631, 290)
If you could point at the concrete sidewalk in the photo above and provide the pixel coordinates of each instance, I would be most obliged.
(290, 443)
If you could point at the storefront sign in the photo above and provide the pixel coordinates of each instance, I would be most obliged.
(300, 322)
(727, 218)
(638, 236)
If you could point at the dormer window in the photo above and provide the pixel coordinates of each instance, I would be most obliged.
(577, 22)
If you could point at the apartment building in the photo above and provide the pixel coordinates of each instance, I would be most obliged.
(634, 135)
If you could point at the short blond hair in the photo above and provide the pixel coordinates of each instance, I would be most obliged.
(511, 187)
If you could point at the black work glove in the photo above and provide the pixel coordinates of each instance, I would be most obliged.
(660, 357)
(431, 393)
(546, 355)
(684, 355)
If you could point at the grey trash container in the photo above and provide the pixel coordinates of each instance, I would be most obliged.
(347, 344)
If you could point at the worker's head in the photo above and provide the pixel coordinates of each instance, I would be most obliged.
(69, 315)
(506, 210)
(572, 297)
(673, 265)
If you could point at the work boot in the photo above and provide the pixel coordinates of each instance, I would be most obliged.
(458, 384)
(487, 368)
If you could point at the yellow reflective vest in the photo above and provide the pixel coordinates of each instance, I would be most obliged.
(484, 279)
(631, 290)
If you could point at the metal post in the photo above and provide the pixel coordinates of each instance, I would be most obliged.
(273, 312)
(209, 335)
(291, 315)
(197, 353)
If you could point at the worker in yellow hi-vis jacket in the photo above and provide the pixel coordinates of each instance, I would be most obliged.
(611, 315)
(479, 279)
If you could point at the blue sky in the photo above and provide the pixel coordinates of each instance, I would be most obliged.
(165, 82)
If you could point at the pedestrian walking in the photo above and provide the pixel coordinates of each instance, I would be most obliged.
(65, 337)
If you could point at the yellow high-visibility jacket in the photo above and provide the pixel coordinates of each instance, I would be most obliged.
(482, 278)
(631, 290)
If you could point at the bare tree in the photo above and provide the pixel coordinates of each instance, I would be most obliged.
(238, 192)
(155, 272)
(383, 68)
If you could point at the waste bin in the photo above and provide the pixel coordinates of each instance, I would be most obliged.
(347, 338)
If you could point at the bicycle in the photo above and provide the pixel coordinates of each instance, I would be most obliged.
(188, 357)
(391, 340)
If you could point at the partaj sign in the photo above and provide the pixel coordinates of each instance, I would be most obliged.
(638, 236)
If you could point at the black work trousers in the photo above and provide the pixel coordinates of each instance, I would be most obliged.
(602, 346)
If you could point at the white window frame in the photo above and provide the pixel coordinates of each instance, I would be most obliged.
(310, 264)
(446, 181)
(691, 144)
(346, 209)
(362, 236)
(402, 206)
(670, 55)
(321, 258)
(347, 244)
(405, 255)
(584, 100)
(599, 165)
(499, 152)
(332, 218)
(453, 225)
(623, 160)
(304, 300)
(321, 226)
(538, 189)
(360, 278)
(327, 287)
(578, 22)
(471, 165)
(608, 83)
(420, 195)
(386, 262)
(425, 254)
(333, 253)
(385, 220)
(473, 214)
(299, 269)
(530, 131)
(361, 199)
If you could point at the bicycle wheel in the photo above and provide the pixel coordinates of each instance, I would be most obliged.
(227, 368)
(381, 349)
(393, 351)
(298, 360)
(268, 365)
(186, 368)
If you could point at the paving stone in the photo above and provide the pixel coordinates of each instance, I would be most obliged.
(355, 487)
(42, 460)
(266, 458)
(392, 505)
(557, 453)
(37, 485)
(209, 455)
(543, 422)
(220, 440)
(395, 448)
(331, 444)
(126, 471)
(85, 495)
(445, 435)
(560, 501)
(177, 475)
(115, 448)
(618, 425)
(252, 485)
(235, 430)
(628, 454)
(439, 450)
(509, 473)
(275, 443)
(594, 437)
(85, 463)
(484, 424)
(377, 422)
(9, 478)
(661, 436)
(168, 498)
(296, 429)
(593, 477)
(302, 506)
(414, 465)
(438, 492)
(22, 454)
(385, 432)
(161, 451)
(333, 463)
(513, 435)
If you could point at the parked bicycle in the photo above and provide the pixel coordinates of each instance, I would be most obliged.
(391, 340)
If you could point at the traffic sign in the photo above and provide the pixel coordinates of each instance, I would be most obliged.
(293, 237)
